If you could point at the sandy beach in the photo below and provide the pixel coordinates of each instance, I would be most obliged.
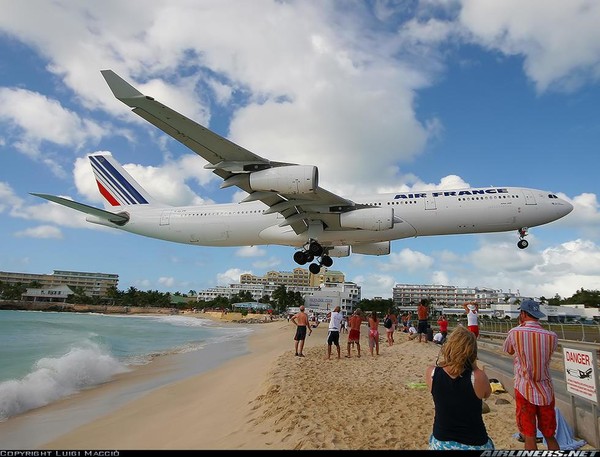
(270, 399)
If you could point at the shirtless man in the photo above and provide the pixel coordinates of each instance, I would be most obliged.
(302, 325)
(354, 322)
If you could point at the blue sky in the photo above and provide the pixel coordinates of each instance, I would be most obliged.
(382, 96)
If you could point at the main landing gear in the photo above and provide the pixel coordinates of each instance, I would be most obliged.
(309, 252)
(522, 244)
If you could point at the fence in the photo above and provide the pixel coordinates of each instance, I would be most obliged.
(589, 333)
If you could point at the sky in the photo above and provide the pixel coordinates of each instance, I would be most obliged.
(383, 96)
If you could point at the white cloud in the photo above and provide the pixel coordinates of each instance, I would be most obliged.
(35, 119)
(373, 284)
(406, 260)
(559, 41)
(267, 264)
(250, 251)
(231, 276)
(166, 281)
(8, 199)
(41, 231)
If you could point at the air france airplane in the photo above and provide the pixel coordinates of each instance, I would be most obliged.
(286, 206)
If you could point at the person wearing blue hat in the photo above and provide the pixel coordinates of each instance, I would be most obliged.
(533, 345)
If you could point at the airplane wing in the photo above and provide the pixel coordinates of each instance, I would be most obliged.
(281, 186)
(118, 219)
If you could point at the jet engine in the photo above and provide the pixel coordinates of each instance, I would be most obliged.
(293, 179)
(339, 251)
(379, 248)
(368, 219)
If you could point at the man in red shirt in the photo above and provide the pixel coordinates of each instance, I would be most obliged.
(443, 323)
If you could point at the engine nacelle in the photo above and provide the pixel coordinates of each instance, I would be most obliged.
(292, 179)
(379, 248)
(368, 219)
(339, 251)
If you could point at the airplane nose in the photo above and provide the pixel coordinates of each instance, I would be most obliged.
(565, 208)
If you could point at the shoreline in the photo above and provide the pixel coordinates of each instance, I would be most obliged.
(269, 399)
(32, 428)
(162, 418)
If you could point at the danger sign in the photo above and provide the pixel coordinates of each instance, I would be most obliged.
(580, 373)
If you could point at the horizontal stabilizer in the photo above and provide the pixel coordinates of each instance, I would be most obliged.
(119, 219)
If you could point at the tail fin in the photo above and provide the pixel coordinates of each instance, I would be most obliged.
(116, 185)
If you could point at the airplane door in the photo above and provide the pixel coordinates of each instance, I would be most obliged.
(529, 197)
(165, 217)
(430, 203)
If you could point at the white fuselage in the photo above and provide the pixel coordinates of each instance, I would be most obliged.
(479, 210)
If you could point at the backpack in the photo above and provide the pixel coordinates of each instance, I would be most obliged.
(387, 323)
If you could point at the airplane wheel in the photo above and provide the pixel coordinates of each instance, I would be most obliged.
(315, 249)
(300, 258)
(314, 268)
(522, 244)
(326, 261)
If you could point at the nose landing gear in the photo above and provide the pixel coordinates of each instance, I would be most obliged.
(310, 251)
(523, 243)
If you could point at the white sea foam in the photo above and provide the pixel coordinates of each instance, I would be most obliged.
(54, 378)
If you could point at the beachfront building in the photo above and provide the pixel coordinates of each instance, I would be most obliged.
(94, 284)
(345, 295)
(58, 294)
(258, 291)
(407, 296)
(299, 277)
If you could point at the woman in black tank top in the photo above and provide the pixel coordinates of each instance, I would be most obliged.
(458, 388)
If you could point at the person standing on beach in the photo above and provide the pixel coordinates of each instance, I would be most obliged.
(532, 345)
(389, 331)
(472, 310)
(423, 315)
(374, 332)
(354, 322)
(458, 388)
(302, 326)
(333, 336)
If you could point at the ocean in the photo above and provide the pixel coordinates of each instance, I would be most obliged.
(48, 356)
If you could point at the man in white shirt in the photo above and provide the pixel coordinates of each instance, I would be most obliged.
(412, 332)
(472, 310)
(438, 338)
(333, 337)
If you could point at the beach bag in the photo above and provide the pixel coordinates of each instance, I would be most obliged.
(387, 323)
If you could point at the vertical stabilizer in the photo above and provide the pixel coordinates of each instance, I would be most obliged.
(116, 185)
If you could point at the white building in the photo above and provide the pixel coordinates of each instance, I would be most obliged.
(345, 295)
(407, 295)
(258, 291)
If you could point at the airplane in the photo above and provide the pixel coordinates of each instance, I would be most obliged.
(286, 206)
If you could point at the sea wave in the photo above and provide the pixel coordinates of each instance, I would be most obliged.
(52, 379)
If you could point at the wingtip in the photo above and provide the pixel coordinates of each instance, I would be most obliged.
(119, 87)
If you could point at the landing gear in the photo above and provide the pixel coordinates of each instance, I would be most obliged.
(310, 251)
(523, 243)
